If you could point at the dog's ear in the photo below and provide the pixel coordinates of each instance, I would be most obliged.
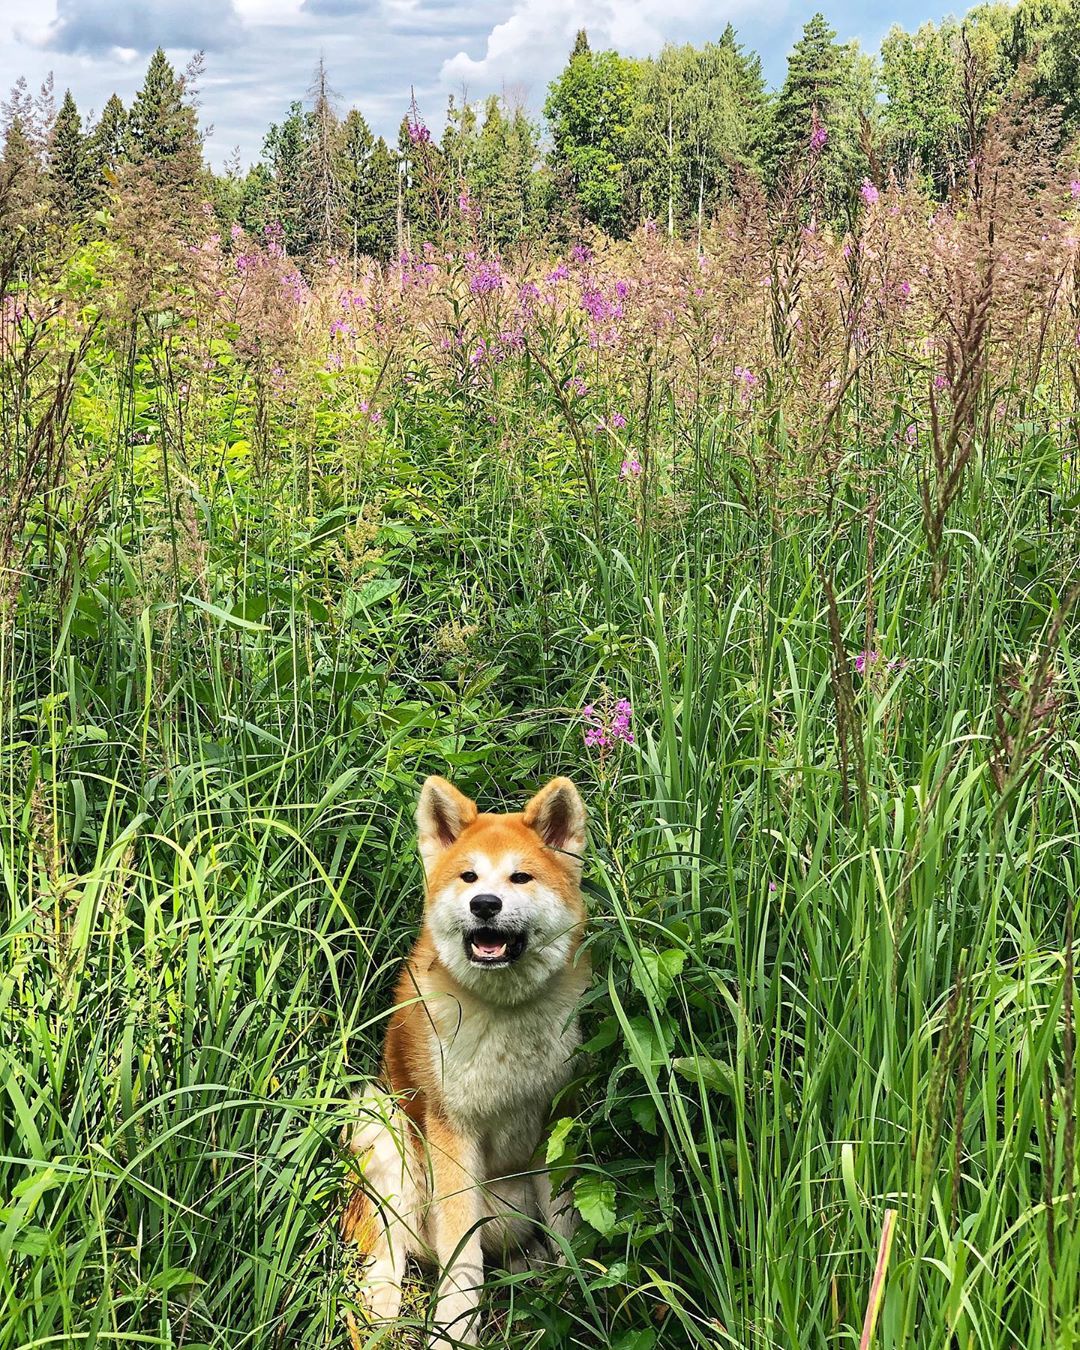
(557, 814)
(441, 815)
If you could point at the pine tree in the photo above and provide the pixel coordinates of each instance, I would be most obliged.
(162, 130)
(67, 174)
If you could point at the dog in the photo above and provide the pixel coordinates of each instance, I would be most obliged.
(477, 1046)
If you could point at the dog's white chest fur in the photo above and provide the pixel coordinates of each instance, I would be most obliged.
(499, 1068)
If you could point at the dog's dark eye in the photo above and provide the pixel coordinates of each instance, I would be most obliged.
(520, 878)
(470, 877)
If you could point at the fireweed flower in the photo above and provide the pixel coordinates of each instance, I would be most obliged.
(910, 433)
(418, 133)
(1074, 189)
(631, 468)
(608, 724)
(616, 421)
(746, 382)
(485, 278)
(868, 658)
(869, 193)
(819, 138)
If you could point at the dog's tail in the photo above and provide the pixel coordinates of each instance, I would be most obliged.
(383, 1182)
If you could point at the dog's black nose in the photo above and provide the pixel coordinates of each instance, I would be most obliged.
(485, 906)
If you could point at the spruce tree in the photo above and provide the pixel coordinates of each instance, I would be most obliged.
(286, 151)
(825, 90)
(322, 189)
(368, 177)
(67, 174)
(162, 130)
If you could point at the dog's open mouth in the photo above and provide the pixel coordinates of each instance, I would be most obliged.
(490, 947)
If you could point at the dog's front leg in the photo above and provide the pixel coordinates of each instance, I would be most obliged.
(454, 1218)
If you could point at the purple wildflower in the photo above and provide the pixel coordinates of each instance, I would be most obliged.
(608, 724)
(869, 193)
(631, 468)
(485, 278)
(819, 138)
(865, 660)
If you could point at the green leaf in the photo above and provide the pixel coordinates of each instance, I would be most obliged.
(660, 973)
(713, 1074)
(594, 1200)
(556, 1145)
(644, 1339)
(232, 620)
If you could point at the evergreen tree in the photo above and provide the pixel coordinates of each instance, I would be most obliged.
(827, 89)
(162, 134)
(423, 187)
(285, 150)
(68, 179)
(322, 191)
(20, 171)
(368, 177)
(107, 139)
(589, 109)
(503, 174)
(460, 142)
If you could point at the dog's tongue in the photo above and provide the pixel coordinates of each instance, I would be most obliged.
(489, 951)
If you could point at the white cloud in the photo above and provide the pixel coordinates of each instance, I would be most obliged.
(535, 40)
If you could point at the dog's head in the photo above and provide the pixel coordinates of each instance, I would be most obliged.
(504, 905)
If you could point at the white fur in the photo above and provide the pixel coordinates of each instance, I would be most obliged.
(530, 908)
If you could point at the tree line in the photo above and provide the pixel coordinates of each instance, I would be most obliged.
(670, 138)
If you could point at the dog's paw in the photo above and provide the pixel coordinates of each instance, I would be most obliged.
(457, 1319)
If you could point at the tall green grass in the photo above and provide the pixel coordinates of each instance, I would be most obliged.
(832, 976)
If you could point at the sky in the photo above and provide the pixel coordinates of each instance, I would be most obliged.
(261, 54)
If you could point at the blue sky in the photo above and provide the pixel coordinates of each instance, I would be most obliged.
(260, 54)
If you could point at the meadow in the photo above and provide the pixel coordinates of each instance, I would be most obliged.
(771, 545)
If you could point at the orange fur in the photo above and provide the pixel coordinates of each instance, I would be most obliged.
(477, 1045)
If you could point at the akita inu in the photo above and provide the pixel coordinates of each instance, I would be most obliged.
(478, 1044)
